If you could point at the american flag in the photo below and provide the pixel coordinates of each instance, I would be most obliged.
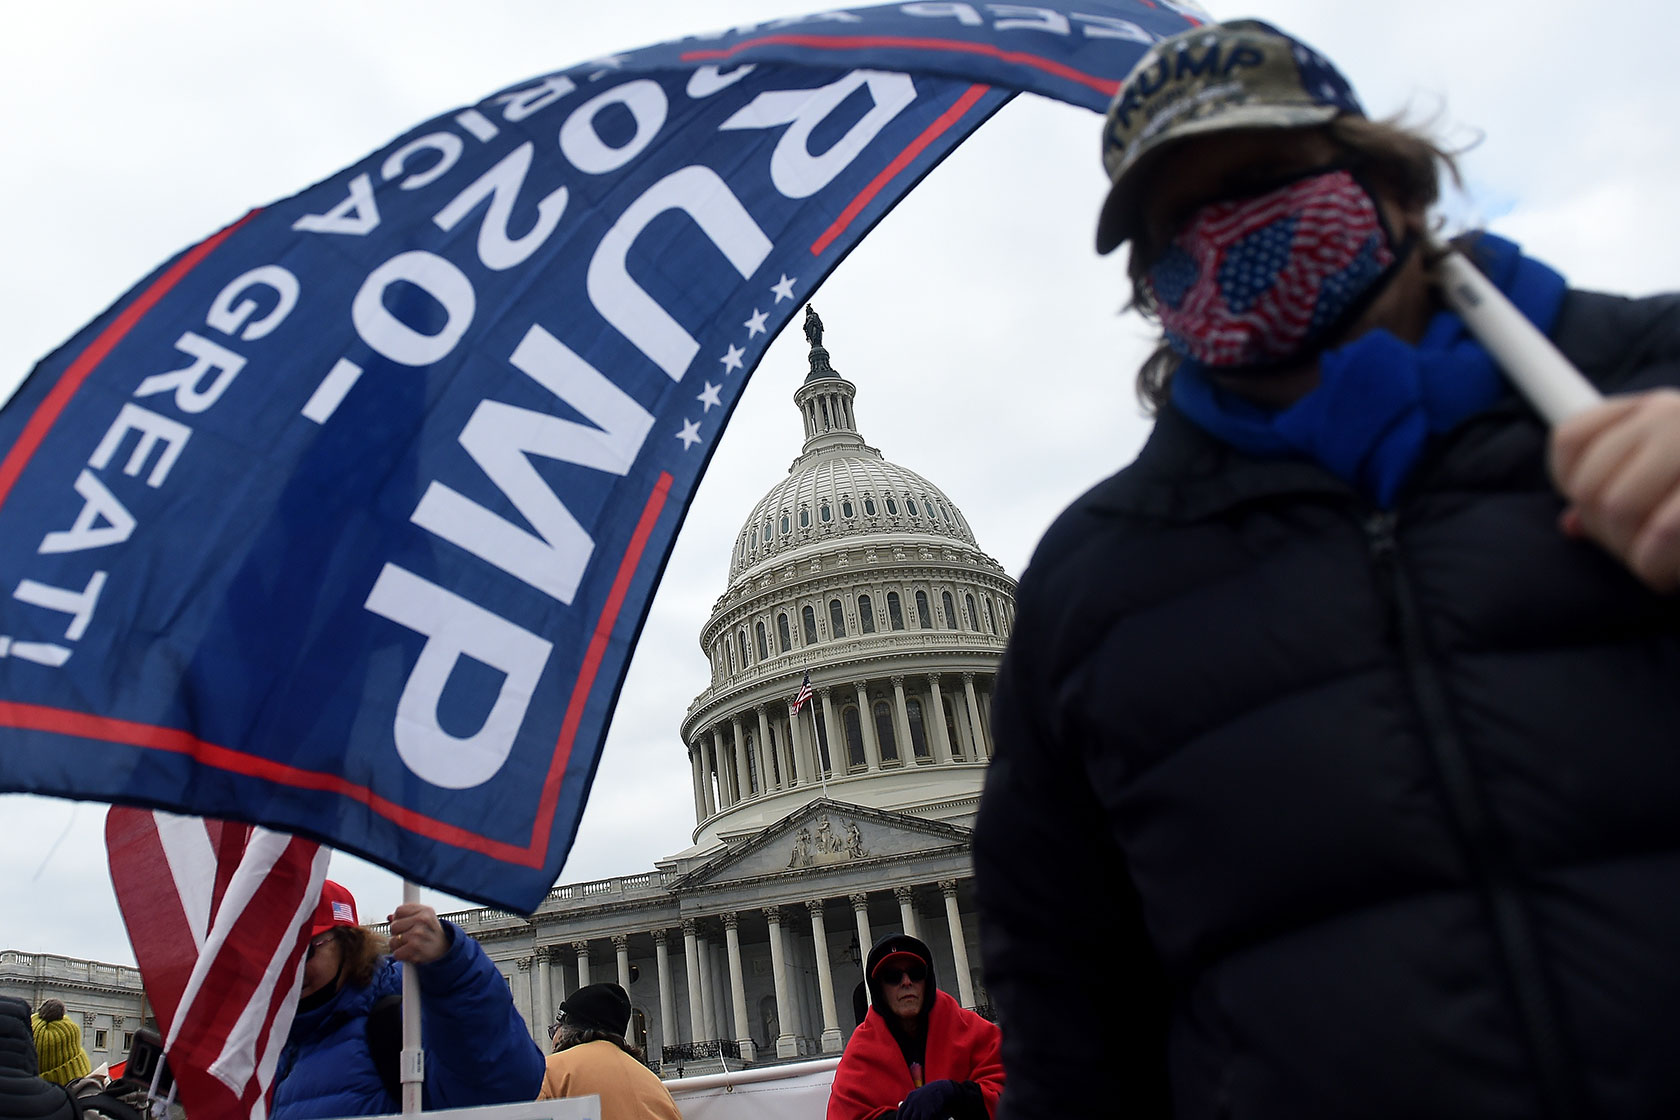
(804, 693)
(218, 916)
(1284, 267)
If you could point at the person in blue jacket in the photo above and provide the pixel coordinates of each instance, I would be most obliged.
(340, 1057)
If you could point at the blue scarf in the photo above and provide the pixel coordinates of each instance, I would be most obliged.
(1379, 399)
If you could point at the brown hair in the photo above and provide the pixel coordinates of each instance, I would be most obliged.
(1401, 159)
(567, 1036)
(51, 1011)
(361, 950)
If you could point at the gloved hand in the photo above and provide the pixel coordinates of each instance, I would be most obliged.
(936, 1100)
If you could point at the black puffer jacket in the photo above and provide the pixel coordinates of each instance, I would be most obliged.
(23, 1094)
(1304, 810)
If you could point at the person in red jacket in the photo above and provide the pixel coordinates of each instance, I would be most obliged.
(918, 1054)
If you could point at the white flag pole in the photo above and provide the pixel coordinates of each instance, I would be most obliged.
(413, 1064)
(1555, 388)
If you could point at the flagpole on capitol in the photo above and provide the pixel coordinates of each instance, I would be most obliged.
(413, 1058)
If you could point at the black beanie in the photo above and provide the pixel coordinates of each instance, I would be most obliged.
(599, 1007)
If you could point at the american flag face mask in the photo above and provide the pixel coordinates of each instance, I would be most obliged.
(1255, 281)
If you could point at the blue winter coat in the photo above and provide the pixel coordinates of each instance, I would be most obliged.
(477, 1048)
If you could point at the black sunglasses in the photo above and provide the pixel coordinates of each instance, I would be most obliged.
(894, 974)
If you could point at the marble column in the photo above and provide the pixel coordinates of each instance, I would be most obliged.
(906, 909)
(959, 947)
(667, 1005)
(838, 757)
(866, 725)
(582, 950)
(524, 991)
(721, 1011)
(726, 770)
(784, 747)
(769, 777)
(831, 1042)
(901, 720)
(708, 998)
(621, 948)
(860, 911)
(743, 771)
(787, 1046)
(700, 813)
(542, 1008)
(941, 734)
(738, 987)
(801, 760)
(691, 952)
(982, 749)
(707, 796)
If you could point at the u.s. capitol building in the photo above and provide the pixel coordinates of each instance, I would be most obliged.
(819, 830)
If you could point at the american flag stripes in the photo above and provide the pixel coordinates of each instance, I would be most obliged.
(217, 913)
(1248, 279)
(803, 695)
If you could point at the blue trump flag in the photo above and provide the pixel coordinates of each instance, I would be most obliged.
(345, 521)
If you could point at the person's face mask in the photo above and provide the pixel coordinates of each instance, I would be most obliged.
(1261, 280)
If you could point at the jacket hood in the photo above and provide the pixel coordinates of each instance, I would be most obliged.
(899, 943)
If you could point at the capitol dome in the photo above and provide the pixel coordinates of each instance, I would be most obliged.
(865, 577)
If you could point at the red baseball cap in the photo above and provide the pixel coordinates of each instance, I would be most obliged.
(336, 908)
(903, 958)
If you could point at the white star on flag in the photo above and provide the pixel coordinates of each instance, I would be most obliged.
(690, 434)
(732, 360)
(709, 396)
(755, 326)
(783, 290)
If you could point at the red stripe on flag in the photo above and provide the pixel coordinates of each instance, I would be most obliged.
(592, 664)
(233, 1006)
(1104, 86)
(45, 416)
(855, 207)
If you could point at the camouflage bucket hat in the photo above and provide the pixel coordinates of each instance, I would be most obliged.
(1236, 75)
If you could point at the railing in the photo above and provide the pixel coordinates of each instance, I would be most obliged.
(72, 969)
(694, 1051)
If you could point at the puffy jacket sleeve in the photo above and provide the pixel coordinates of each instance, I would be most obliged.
(477, 1048)
(1077, 985)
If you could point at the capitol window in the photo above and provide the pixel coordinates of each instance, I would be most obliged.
(950, 611)
(836, 619)
(786, 524)
(973, 615)
(869, 506)
(918, 730)
(895, 612)
(892, 506)
(742, 637)
(846, 508)
(826, 513)
(782, 635)
(804, 518)
(910, 504)
(866, 614)
(924, 617)
(810, 617)
(884, 732)
(854, 738)
(763, 647)
(991, 619)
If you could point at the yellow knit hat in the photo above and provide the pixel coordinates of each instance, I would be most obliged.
(58, 1046)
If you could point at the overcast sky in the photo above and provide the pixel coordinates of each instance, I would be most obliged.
(979, 325)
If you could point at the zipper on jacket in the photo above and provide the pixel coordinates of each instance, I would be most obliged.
(1489, 860)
